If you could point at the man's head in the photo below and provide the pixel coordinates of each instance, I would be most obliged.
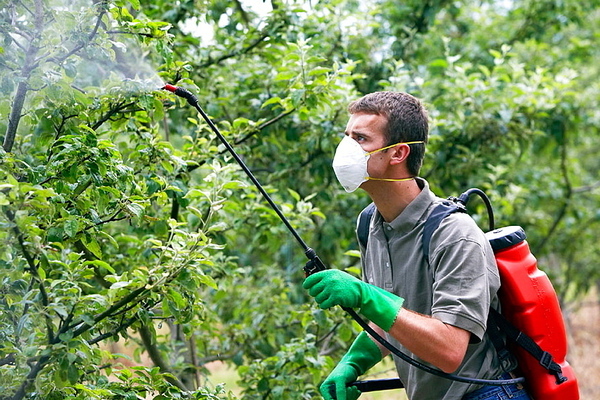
(406, 121)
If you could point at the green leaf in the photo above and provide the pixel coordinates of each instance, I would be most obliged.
(319, 71)
(294, 194)
(440, 62)
(272, 100)
(71, 227)
(177, 298)
(285, 75)
(120, 284)
(235, 185)
(100, 264)
(352, 253)
(209, 281)
(73, 374)
(93, 246)
(135, 209)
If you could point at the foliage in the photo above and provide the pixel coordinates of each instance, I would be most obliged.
(124, 217)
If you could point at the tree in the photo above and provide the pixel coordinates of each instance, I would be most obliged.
(125, 217)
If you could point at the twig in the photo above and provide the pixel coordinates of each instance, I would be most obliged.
(236, 53)
(121, 106)
(148, 35)
(82, 44)
(84, 327)
(264, 125)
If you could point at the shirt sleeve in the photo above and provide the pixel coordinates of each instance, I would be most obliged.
(465, 275)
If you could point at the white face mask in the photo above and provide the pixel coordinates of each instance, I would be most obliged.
(350, 164)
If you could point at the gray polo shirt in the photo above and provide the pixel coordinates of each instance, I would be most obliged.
(457, 287)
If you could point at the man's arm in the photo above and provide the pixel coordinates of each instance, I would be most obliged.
(430, 339)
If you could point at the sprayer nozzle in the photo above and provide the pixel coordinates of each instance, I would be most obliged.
(184, 93)
(170, 88)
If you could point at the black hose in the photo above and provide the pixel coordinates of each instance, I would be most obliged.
(464, 199)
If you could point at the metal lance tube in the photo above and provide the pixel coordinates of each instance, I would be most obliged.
(314, 264)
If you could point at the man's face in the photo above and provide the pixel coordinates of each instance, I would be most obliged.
(368, 130)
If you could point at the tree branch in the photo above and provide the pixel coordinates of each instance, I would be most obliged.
(568, 192)
(148, 35)
(33, 270)
(157, 358)
(121, 106)
(83, 43)
(264, 125)
(83, 327)
(247, 136)
(123, 325)
(9, 359)
(234, 53)
(22, 88)
(35, 370)
(587, 188)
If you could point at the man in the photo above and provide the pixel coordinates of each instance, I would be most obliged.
(435, 310)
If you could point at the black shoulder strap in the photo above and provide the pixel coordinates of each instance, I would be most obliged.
(364, 220)
(543, 357)
(440, 212)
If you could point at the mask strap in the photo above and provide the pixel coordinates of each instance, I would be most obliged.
(395, 144)
(390, 179)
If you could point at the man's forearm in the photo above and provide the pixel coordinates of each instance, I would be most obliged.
(430, 339)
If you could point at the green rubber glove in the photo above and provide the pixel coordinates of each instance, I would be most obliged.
(362, 355)
(333, 287)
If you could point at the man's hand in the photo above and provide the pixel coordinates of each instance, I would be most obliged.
(335, 386)
(361, 356)
(333, 287)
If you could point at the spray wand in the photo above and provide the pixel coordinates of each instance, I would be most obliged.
(315, 264)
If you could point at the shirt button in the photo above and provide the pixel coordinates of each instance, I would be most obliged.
(387, 264)
(389, 228)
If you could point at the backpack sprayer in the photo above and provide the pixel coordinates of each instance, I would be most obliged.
(314, 264)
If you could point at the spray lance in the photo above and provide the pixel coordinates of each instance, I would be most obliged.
(314, 264)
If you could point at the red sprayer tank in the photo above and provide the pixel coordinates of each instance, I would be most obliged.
(530, 303)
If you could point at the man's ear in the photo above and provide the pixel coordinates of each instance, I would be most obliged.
(399, 153)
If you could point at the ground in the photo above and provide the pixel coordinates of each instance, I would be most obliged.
(583, 326)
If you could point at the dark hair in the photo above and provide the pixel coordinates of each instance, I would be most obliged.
(406, 121)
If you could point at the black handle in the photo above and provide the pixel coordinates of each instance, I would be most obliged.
(378, 384)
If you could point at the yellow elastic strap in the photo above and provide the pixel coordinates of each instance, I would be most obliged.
(390, 179)
(389, 147)
(395, 144)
